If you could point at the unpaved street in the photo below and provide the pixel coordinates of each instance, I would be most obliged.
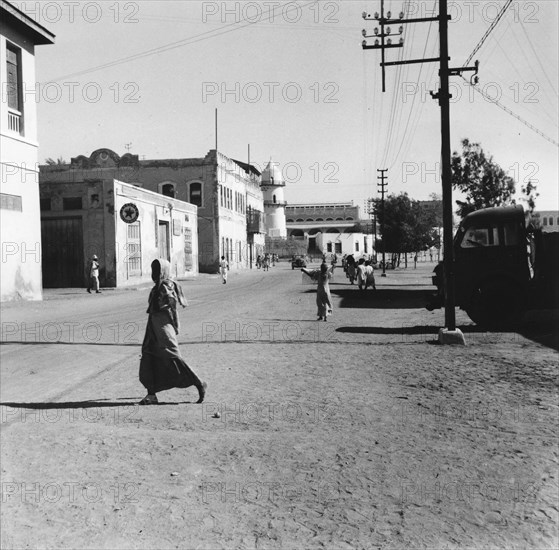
(361, 432)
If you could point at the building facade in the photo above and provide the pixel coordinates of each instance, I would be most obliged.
(125, 226)
(330, 228)
(548, 219)
(20, 269)
(227, 194)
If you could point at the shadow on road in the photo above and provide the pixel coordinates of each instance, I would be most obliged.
(383, 298)
(540, 327)
(64, 343)
(86, 404)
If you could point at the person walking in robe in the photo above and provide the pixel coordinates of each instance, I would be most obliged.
(351, 268)
(93, 274)
(365, 275)
(323, 297)
(161, 365)
(223, 269)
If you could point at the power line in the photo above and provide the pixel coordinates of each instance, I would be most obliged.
(488, 32)
(179, 44)
(507, 110)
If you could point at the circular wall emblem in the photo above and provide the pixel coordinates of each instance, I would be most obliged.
(129, 213)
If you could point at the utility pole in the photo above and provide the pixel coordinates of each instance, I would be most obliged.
(443, 96)
(382, 185)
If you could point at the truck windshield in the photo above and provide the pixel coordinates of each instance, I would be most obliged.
(476, 237)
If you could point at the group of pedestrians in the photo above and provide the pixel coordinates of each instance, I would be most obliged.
(263, 261)
(361, 271)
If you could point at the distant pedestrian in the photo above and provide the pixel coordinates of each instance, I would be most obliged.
(266, 262)
(351, 268)
(161, 365)
(334, 261)
(415, 261)
(323, 297)
(223, 268)
(93, 274)
(259, 261)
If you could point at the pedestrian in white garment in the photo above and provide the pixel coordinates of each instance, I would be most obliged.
(93, 268)
(223, 268)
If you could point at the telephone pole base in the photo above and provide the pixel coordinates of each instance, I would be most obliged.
(451, 337)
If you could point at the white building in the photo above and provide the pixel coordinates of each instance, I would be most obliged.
(20, 218)
(272, 185)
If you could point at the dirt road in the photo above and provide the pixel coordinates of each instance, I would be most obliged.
(360, 432)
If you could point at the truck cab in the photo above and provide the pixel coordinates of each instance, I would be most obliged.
(493, 265)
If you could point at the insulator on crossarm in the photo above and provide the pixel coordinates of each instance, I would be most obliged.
(401, 29)
(389, 15)
(376, 15)
(388, 31)
(376, 42)
(401, 15)
(402, 41)
(389, 42)
(364, 43)
(364, 32)
(364, 15)
(376, 30)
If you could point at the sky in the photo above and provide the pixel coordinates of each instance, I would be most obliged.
(291, 80)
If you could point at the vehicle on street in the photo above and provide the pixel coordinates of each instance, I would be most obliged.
(298, 261)
(503, 265)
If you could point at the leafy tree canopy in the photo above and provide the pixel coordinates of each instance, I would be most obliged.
(407, 225)
(483, 182)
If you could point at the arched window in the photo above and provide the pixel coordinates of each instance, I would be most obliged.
(195, 193)
(300, 219)
(309, 220)
(168, 189)
(289, 220)
(319, 220)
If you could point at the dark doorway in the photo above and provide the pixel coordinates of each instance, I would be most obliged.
(63, 261)
(163, 241)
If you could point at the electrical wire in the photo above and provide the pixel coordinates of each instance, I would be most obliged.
(507, 110)
(488, 32)
(179, 44)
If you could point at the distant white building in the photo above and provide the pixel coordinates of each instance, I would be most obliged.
(20, 217)
(272, 185)
(329, 228)
(549, 220)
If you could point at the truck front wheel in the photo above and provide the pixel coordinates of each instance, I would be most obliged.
(497, 304)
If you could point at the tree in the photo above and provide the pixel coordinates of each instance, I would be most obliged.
(51, 162)
(530, 195)
(407, 226)
(483, 181)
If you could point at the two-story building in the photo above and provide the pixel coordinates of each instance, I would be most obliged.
(225, 192)
(20, 268)
(329, 228)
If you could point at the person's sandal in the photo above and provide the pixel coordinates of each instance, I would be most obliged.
(202, 392)
(149, 400)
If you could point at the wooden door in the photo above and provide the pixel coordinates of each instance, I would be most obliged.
(62, 258)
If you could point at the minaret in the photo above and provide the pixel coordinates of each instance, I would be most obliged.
(274, 202)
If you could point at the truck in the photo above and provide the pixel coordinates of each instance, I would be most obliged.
(504, 264)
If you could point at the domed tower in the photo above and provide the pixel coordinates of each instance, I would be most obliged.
(274, 202)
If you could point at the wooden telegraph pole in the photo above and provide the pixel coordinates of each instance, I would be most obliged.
(443, 96)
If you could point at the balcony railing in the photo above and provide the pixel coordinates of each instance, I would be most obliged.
(277, 203)
(255, 221)
(14, 122)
